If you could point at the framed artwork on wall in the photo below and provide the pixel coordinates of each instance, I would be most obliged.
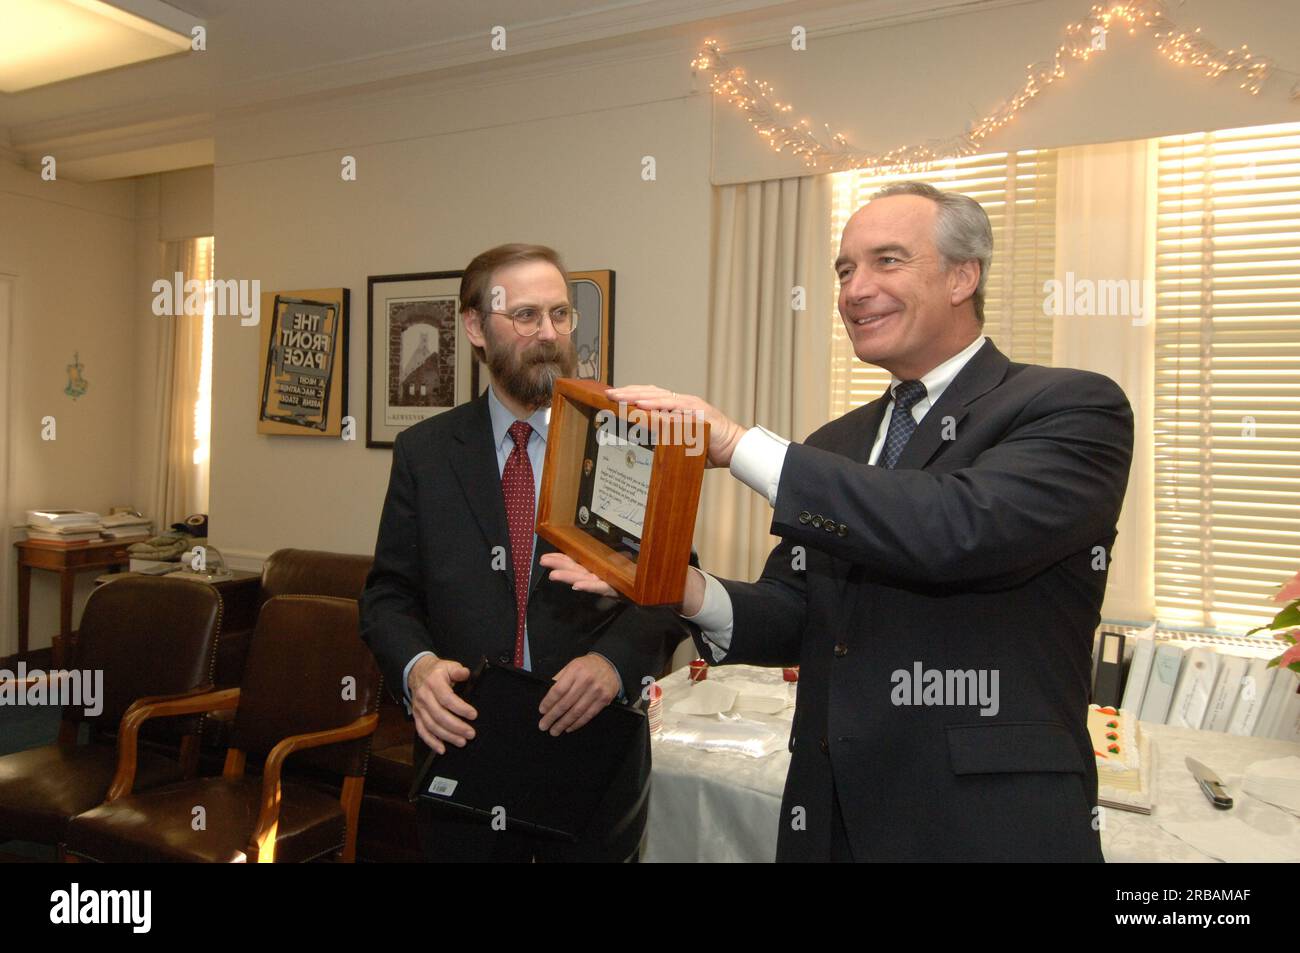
(418, 360)
(304, 374)
(593, 297)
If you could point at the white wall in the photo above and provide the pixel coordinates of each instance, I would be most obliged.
(82, 259)
(441, 176)
(71, 248)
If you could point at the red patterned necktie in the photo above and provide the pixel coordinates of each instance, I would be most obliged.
(521, 501)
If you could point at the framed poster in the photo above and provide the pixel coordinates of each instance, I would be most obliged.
(304, 347)
(592, 293)
(593, 297)
(418, 359)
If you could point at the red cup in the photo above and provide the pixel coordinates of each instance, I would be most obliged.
(699, 670)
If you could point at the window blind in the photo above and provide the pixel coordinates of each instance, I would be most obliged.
(1227, 376)
(1018, 191)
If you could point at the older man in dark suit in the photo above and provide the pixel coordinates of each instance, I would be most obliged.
(942, 565)
(462, 496)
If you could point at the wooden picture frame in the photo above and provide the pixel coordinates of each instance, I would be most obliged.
(418, 359)
(303, 390)
(655, 572)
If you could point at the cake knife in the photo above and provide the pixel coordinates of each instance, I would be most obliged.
(1210, 784)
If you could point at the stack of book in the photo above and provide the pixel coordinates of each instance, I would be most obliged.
(1200, 681)
(63, 527)
(126, 526)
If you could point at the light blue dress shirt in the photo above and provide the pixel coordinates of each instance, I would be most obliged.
(502, 419)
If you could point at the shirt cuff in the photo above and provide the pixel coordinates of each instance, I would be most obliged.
(406, 679)
(716, 618)
(757, 461)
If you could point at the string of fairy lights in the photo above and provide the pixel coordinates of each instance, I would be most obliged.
(1084, 40)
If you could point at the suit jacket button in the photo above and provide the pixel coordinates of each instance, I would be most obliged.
(841, 530)
(841, 650)
(825, 746)
(506, 659)
(817, 522)
(830, 526)
(804, 517)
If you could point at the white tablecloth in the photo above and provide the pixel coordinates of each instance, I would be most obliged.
(725, 806)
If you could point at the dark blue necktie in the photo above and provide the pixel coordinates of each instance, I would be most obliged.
(901, 422)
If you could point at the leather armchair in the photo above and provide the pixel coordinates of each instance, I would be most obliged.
(387, 830)
(310, 689)
(154, 640)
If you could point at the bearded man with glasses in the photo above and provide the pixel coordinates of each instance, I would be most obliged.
(464, 488)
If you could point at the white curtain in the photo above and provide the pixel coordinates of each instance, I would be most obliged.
(10, 514)
(1105, 211)
(179, 484)
(768, 359)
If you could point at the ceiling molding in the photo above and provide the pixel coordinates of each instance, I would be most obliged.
(69, 136)
(146, 160)
(90, 154)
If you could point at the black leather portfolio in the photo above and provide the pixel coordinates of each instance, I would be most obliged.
(515, 774)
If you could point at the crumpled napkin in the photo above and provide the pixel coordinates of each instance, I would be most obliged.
(706, 698)
(1233, 840)
(1276, 781)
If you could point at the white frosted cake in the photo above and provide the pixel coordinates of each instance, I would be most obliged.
(1119, 748)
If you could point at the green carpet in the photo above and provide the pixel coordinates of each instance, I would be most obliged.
(23, 727)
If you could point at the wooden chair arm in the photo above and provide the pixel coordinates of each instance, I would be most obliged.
(262, 843)
(27, 680)
(194, 702)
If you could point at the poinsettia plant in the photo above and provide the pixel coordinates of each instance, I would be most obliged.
(1282, 625)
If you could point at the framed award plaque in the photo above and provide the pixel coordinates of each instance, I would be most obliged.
(620, 488)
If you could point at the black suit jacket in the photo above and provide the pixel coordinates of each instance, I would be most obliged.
(979, 552)
(433, 588)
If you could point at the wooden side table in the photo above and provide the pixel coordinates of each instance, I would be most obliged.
(67, 561)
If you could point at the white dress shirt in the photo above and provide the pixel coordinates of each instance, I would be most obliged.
(757, 462)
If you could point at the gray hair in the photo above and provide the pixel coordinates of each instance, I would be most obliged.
(961, 233)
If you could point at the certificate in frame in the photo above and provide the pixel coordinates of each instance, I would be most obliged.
(596, 455)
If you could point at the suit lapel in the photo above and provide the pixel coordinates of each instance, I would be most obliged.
(864, 436)
(982, 373)
(542, 547)
(475, 467)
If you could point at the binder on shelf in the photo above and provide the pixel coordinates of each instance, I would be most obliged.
(1139, 670)
(1160, 687)
(1255, 686)
(1227, 689)
(1110, 659)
